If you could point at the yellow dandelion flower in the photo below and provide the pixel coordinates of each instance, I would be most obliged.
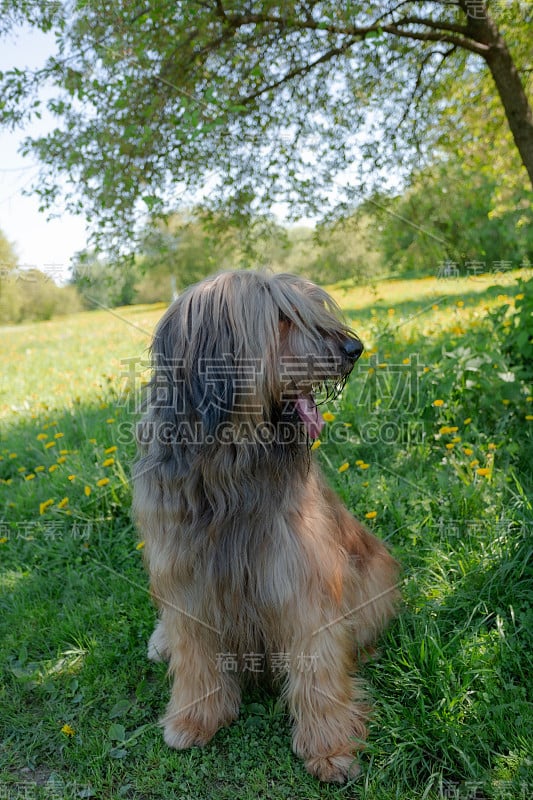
(102, 482)
(468, 451)
(460, 303)
(426, 369)
(62, 503)
(434, 307)
(529, 399)
(110, 420)
(474, 463)
(39, 468)
(502, 298)
(61, 460)
(316, 444)
(13, 455)
(347, 424)
(506, 402)
(22, 469)
(438, 403)
(48, 445)
(406, 360)
(58, 435)
(68, 730)
(71, 477)
(103, 405)
(63, 452)
(483, 471)
(467, 421)
(29, 477)
(87, 491)
(92, 441)
(53, 468)
(444, 430)
(343, 467)
(390, 312)
(383, 365)
(364, 466)
(365, 483)
(519, 296)
(328, 416)
(456, 439)
(492, 446)
(450, 446)
(139, 546)
(3, 539)
(529, 417)
(111, 449)
(42, 436)
(45, 505)
(359, 462)
(371, 370)
(371, 515)
(108, 462)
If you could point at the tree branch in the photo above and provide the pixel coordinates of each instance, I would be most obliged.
(300, 70)
(438, 31)
(416, 94)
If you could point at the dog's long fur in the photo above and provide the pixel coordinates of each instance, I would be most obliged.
(248, 550)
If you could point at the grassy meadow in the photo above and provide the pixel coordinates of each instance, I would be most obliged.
(431, 443)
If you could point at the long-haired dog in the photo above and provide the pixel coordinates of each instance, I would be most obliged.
(254, 563)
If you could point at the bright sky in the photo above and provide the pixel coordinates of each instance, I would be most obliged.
(47, 245)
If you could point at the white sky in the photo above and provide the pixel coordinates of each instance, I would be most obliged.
(39, 243)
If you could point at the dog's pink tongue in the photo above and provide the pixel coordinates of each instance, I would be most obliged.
(310, 415)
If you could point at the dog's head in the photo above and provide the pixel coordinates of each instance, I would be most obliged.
(245, 348)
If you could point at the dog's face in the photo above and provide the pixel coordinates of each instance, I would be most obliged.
(252, 347)
(316, 352)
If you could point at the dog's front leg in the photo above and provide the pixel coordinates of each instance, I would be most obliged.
(203, 698)
(326, 704)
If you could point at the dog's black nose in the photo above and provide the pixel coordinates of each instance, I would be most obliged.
(352, 348)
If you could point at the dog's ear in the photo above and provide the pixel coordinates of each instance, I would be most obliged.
(216, 353)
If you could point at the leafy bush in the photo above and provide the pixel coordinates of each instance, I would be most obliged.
(30, 295)
(515, 330)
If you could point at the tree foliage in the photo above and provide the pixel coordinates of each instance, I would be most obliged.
(452, 213)
(254, 103)
(29, 294)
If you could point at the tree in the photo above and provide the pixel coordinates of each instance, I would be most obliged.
(10, 300)
(259, 101)
(102, 283)
(446, 215)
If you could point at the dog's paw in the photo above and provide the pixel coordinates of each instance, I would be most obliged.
(183, 733)
(158, 649)
(333, 769)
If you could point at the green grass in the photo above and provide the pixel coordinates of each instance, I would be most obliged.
(452, 685)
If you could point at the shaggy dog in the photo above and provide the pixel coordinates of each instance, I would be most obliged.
(254, 563)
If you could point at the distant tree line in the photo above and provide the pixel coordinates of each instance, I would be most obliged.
(451, 219)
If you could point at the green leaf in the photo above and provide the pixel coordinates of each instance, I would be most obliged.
(120, 709)
(117, 732)
(118, 752)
